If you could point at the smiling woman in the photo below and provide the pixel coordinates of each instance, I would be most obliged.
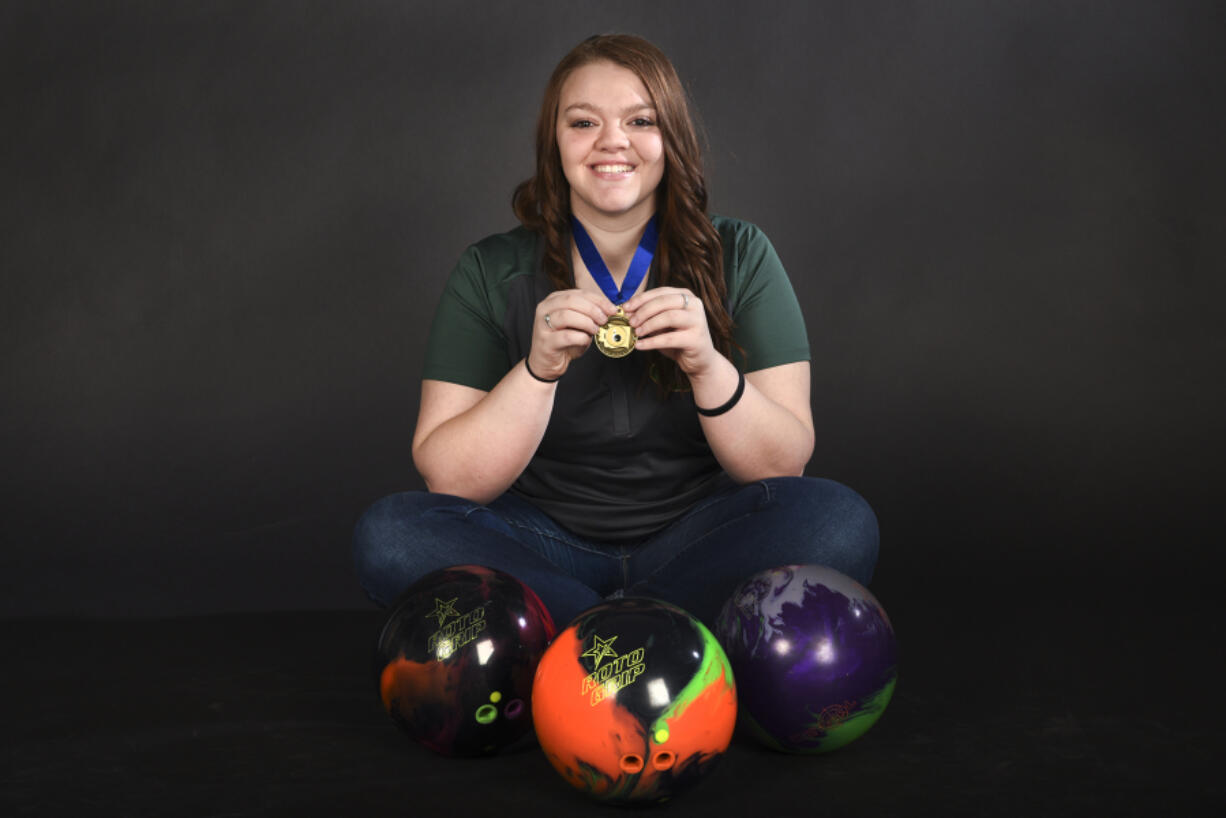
(616, 394)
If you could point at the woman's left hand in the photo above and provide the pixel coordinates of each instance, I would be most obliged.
(673, 321)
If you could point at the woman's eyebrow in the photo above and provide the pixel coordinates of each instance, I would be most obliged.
(587, 106)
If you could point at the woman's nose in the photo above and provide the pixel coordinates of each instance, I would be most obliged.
(612, 137)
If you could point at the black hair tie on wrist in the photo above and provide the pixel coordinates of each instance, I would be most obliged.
(538, 377)
(736, 396)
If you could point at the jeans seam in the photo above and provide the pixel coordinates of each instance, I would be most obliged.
(541, 532)
(691, 544)
(721, 526)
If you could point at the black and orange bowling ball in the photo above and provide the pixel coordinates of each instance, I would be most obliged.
(634, 701)
(456, 656)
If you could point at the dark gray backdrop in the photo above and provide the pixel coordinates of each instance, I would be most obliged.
(225, 226)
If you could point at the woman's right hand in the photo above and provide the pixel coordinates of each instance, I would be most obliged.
(564, 326)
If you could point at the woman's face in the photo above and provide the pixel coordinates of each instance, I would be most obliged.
(611, 148)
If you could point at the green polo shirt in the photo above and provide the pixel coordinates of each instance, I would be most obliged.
(618, 461)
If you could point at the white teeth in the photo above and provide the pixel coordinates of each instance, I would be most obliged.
(613, 168)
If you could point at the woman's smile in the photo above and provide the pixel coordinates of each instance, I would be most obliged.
(613, 171)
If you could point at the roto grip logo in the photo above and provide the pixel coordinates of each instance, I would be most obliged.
(607, 679)
(451, 636)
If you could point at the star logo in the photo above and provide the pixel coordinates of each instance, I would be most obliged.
(443, 610)
(600, 650)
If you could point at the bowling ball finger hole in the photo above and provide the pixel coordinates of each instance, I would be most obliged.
(486, 713)
(663, 761)
(514, 709)
(632, 763)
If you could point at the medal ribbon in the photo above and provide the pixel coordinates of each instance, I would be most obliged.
(600, 271)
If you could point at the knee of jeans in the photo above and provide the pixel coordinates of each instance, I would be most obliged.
(859, 532)
(374, 538)
(860, 521)
(850, 534)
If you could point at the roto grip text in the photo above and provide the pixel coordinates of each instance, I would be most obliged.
(455, 635)
(610, 678)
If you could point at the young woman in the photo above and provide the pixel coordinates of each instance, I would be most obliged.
(615, 397)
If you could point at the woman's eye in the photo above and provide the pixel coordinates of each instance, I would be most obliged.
(642, 122)
(582, 123)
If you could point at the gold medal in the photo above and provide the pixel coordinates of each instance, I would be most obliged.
(616, 338)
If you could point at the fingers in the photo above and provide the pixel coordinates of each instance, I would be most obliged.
(662, 299)
(575, 310)
(565, 323)
(665, 309)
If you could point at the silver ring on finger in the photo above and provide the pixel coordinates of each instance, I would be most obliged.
(685, 301)
(548, 323)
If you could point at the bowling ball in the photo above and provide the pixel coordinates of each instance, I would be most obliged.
(455, 659)
(814, 654)
(634, 701)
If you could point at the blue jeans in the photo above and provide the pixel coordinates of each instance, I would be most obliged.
(695, 562)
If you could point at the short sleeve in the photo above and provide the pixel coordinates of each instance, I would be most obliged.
(769, 326)
(466, 344)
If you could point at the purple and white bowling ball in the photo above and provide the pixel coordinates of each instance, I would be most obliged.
(814, 656)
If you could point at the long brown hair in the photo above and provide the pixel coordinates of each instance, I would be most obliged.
(689, 253)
